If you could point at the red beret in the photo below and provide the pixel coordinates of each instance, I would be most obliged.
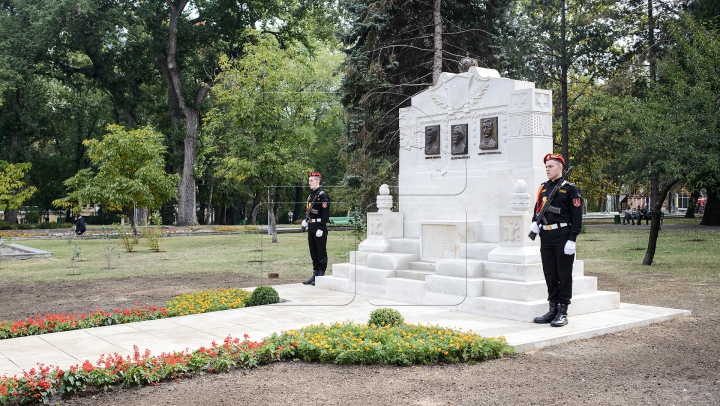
(558, 158)
(316, 174)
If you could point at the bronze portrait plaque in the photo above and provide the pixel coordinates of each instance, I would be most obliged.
(489, 133)
(432, 140)
(458, 139)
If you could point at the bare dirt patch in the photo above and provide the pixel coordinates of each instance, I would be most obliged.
(676, 362)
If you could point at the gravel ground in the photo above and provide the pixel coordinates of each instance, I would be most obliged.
(672, 363)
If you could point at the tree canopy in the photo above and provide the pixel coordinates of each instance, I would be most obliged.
(128, 170)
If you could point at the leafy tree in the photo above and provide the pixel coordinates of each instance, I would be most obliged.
(671, 133)
(222, 28)
(130, 172)
(13, 191)
(553, 42)
(267, 104)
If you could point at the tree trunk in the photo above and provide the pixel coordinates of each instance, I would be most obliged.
(651, 41)
(211, 215)
(711, 215)
(176, 115)
(186, 189)
(437, 42)
(12, 214)
(255, 207)
(299, 211)
(272, 219)
(692, 204)
(129, 117)
(142, 216)
(658, 193)
(564, 65)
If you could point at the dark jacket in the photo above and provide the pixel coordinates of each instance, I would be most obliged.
(568, 200)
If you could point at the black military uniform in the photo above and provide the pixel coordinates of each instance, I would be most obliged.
(317, 217)
(562, 223)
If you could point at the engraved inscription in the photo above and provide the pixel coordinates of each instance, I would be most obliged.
(439, 241)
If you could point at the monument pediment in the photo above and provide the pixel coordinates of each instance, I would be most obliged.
(456, 91)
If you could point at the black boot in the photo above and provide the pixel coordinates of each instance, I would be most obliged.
(561, 317)
(311, 280)
(549, 316)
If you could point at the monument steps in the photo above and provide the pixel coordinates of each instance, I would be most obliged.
(527, 311)
(404, 245)
(533, 290)
(391, 261)
(413, 274)
(422, 266)
(358, 257)
(406, 290)
(476, 250)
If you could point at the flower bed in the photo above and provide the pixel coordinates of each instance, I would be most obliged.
(187, 303)
(403, 344)
(340, 343)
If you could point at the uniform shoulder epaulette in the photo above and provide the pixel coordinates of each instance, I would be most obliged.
(322, 192)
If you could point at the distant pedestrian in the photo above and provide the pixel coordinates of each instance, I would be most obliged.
(290, 216)
(643, 214)
(79, 225)
(628, 212)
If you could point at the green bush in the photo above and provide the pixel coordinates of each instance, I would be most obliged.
(33, 216)
(40, 226)
(386, 317)
(263, 295)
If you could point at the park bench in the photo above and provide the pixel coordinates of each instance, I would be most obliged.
(342, 221)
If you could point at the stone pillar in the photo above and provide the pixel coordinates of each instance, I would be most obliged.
(515, 246)
(382, 225)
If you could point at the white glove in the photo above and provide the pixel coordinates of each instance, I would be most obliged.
(569, 247)
(318, 233)
(534, 228)
(304, 223)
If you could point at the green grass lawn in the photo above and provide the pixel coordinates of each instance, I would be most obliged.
(242, 253)
(691, 254)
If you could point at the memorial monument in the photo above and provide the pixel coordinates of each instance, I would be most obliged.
(471, 158)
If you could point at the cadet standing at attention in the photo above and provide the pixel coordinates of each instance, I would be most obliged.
(558, 230)
(317, 215)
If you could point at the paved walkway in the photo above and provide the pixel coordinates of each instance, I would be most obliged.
(304, 305)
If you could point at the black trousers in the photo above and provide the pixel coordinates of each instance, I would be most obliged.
(557, 266)
(318, 246)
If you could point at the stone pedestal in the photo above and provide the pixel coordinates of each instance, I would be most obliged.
(469, 148)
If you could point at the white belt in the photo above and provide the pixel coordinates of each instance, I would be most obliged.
(554, 226)
(316, 220)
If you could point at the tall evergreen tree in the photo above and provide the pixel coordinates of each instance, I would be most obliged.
(390, 51)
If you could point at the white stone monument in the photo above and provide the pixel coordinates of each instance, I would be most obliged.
(471, 151)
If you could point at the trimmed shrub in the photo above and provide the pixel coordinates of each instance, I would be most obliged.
(386, 317)
(263, 295)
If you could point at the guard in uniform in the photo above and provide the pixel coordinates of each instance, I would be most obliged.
(317, 215)
(558, 230)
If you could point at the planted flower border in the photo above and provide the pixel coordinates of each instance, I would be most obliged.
(187, 303)
(339, 343)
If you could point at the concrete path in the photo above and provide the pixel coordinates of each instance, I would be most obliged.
(305, 305)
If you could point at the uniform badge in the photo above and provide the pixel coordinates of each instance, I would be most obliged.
(576, 202)
(324, 205)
